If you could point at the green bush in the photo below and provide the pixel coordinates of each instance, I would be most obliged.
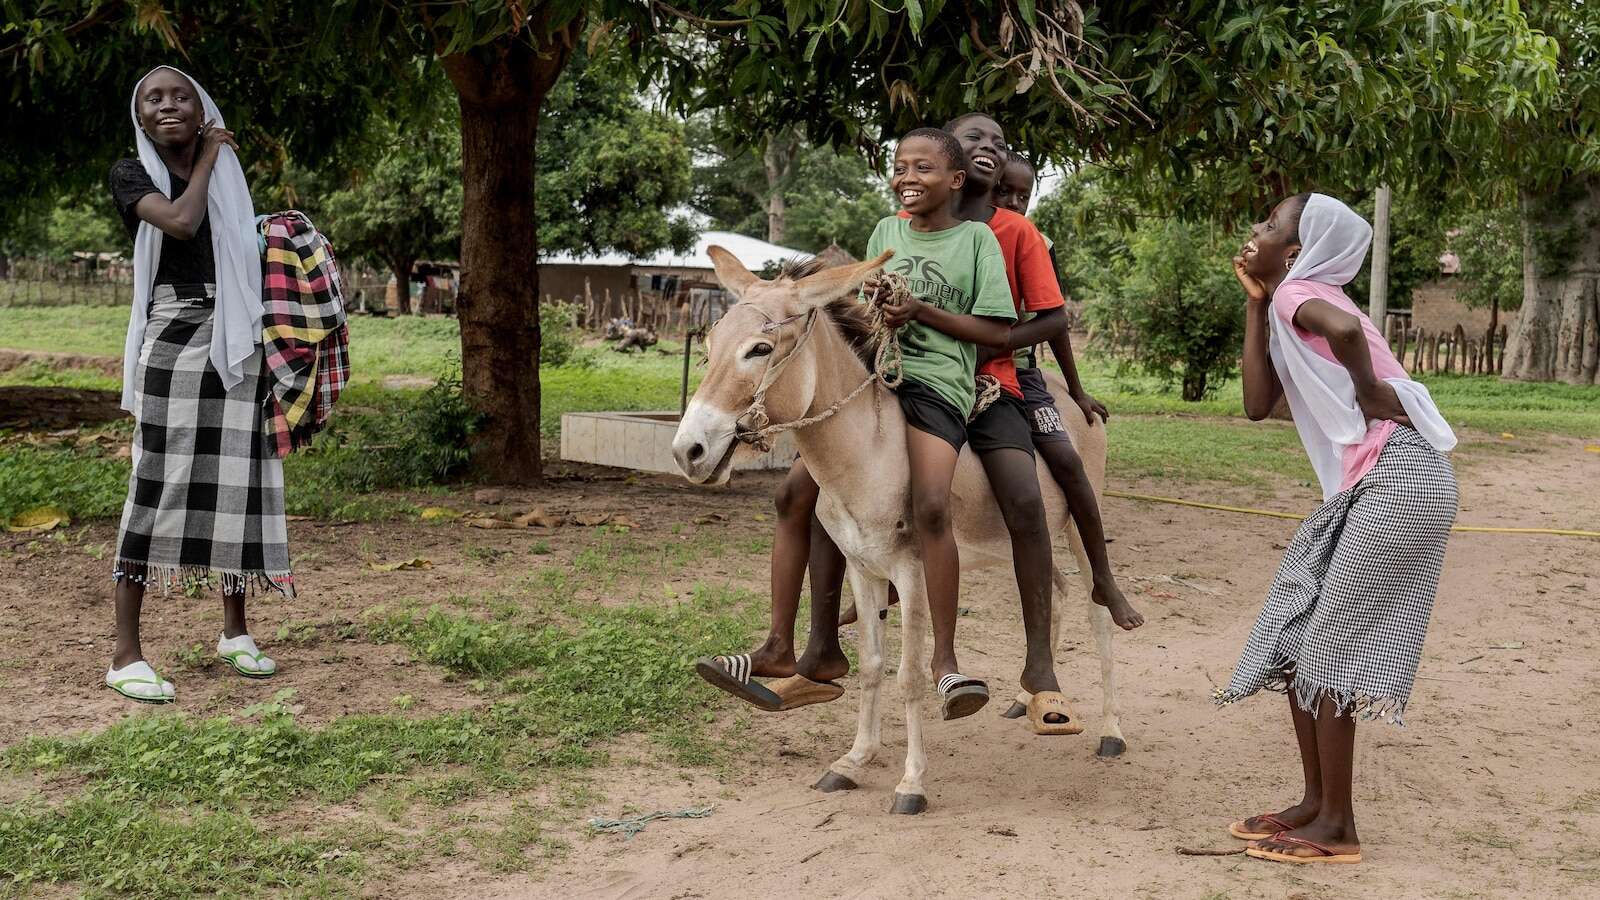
(559, 335)
(1179, 313)
(84, 483)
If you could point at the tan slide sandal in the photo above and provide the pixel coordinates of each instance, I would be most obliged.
(1052, 703)
(797, 691)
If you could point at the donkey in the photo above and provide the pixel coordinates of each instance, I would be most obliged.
(786, 341)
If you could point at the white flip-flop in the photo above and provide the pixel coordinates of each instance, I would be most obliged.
(248, 660)
(138, 681)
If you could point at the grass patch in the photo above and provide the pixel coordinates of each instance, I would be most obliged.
(1243, 452)
(86, 483)
(178, 790)
(560, 692)
(108, 848)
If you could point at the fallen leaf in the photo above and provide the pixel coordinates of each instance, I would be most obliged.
(1592, 448)
(415, 562)
(537, 517)
(433, 513)
(1506, 645)
(624, 522)
(760, 517)
(1508, 435)
(591, 518)
(486, 522)
(42, 518)
(708, 518)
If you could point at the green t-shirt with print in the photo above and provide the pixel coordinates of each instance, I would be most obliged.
(961, 271)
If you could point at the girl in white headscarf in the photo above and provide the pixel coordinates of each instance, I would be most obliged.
(205, 500)
(1345, 618)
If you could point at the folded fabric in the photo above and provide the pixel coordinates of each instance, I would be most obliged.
(303, 329)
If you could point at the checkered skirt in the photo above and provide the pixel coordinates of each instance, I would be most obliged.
(205, 499)
(1346, 615)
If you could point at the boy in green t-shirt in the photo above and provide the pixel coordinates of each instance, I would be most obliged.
(959, 297)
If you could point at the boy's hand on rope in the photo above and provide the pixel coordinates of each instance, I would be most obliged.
(893, 297)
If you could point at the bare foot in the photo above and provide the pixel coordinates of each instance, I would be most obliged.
(1338, 837)
(1294, 817)
(824, 665)
(1107, 594)
(772, 661)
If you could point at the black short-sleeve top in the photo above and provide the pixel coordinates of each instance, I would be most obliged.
(183, 262)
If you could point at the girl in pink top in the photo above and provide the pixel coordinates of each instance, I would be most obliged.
(1342, 628)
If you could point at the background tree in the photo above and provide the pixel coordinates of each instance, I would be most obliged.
(1312, 92)
(612, 173)
(1553, 161)
(829, 195)
(407, 207)
(1180, 306)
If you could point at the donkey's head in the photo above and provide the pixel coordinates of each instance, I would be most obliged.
(755, 337)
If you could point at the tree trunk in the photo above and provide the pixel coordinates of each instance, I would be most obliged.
(500, 87)
(778, 158)
(1194, 386)
(1556, 333)
(401, 269)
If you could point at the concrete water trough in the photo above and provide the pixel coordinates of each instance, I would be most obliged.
(643, 441)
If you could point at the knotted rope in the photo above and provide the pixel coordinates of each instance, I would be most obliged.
(756, 428)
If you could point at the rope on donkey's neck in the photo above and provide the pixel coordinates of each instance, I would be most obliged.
(888, 369)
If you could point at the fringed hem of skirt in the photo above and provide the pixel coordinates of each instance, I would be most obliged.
(196, 578)
(1308, 695)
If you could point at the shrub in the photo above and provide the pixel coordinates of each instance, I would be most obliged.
(1179, 314)
(558, 333)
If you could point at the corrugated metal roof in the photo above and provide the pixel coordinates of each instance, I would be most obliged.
(755, 254)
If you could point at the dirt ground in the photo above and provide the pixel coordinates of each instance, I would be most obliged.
(1490, 792)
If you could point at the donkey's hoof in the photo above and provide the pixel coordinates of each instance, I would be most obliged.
(1014, 711)
(832, 781)
(908, 804)
(1111, 747)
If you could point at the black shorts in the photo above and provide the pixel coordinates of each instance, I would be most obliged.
(1003, 425)
(927, 411)
(1043, 417)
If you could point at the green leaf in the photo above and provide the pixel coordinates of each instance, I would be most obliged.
(914, 13)
(1027, 10)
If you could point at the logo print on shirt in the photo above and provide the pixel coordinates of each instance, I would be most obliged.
(926, 279)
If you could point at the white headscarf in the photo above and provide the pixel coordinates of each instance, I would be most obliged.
(236, 326)
(1321, 394)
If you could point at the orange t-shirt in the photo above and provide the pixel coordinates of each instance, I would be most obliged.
(1034, 287)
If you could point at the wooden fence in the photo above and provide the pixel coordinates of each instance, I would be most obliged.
(1455, 351)
(688, 310)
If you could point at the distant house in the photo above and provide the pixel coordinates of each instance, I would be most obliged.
(1435, 309)
(611, 284)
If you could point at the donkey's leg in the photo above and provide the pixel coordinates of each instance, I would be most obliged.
(1111, 741)
(871, 593)
(909, 795)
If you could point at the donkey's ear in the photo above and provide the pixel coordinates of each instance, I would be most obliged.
(732, 273)
(831, 284)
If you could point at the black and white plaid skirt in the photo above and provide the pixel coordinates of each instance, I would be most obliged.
(1346, 615)
(205, 499)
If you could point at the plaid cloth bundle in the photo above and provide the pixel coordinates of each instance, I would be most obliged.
(303, 329)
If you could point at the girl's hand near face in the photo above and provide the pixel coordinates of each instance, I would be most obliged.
(1254, 290)
(212, 140)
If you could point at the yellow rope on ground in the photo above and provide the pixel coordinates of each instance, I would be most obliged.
(1478, 529)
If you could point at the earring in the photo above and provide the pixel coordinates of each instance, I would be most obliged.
(1289, 263)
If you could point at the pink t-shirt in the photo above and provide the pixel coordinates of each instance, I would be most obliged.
(1358, 458)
